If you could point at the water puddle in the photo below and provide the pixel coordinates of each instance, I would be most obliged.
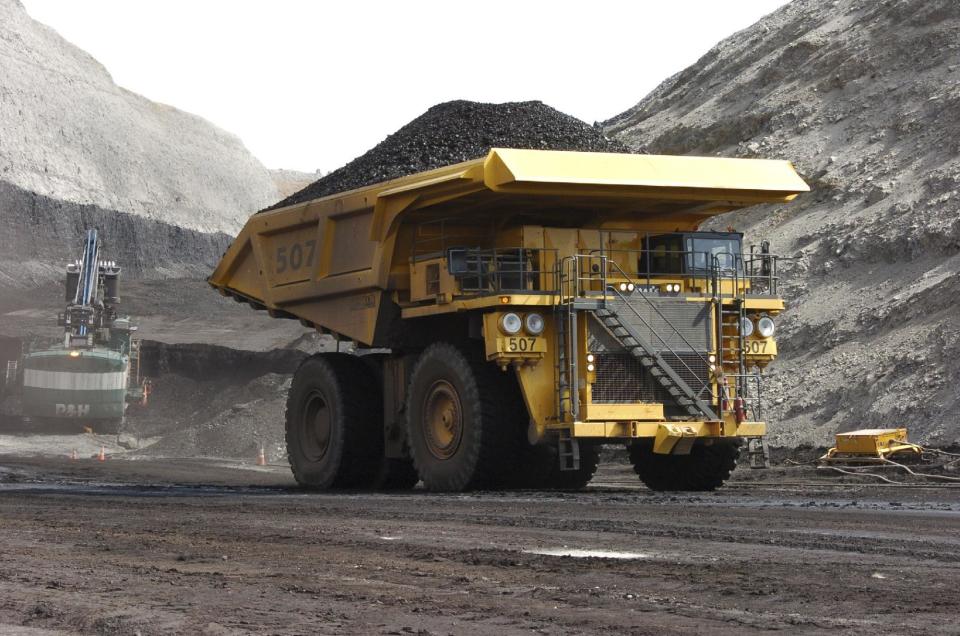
(586, 554)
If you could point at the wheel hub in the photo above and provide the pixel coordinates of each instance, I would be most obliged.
(315, 427)
(442, 420)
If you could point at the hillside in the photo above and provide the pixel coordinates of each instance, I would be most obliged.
(864, 97)
(166, 187)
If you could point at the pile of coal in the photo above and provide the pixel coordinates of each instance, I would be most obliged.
(458, 131)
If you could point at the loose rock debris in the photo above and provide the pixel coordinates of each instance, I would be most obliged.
(458, 131)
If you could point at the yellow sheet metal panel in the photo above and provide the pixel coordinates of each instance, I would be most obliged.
(763, 304)
(629, 412)
(511, 170)
(750, 429)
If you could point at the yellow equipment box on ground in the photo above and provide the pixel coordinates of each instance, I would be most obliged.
(872, 443)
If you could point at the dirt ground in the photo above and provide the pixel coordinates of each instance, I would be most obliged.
(193, 546)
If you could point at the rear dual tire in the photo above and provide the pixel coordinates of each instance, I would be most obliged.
(334, 423)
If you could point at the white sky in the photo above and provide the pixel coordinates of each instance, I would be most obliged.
(311, 85)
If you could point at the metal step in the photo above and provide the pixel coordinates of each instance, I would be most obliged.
(569, 450)
(757, 453)
(11, 374)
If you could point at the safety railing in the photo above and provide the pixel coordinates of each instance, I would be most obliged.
(756, 274)
(582, 276)
(749, 387)
(503, 269)
(492, 270)
(763, 271)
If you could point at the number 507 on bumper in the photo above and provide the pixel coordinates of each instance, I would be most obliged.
(521, 344)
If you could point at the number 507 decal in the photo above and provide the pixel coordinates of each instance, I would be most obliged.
(295, 256)
(756, 347)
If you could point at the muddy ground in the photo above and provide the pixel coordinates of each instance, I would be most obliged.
(188, 546)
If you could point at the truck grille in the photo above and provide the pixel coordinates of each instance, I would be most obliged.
(620, 378)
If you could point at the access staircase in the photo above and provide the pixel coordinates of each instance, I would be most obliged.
(651, 360)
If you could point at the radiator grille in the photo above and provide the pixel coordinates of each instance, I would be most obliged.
(620, 378)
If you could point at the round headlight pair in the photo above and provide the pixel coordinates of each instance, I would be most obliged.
(765, 327)
(627, 287)
(511, 324)
(673, 288)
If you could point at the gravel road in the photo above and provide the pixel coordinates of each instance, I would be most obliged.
(220, 549)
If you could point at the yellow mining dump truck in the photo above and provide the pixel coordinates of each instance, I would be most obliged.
(512, 313)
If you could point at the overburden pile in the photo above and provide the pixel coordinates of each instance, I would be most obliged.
(458, 131)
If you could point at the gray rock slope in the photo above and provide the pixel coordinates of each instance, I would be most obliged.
(864, 97)
(69, 135)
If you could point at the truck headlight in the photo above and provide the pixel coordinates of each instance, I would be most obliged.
(510, 324)
(746, 327)
(766, 327)
(534, 324)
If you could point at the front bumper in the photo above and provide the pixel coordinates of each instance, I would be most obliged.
(668, 437)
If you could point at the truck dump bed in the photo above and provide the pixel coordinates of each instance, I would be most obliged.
(340, 263)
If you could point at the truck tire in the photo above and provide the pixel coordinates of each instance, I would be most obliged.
(458, 430)
(704, 469)
(334, 423)
(539, 468)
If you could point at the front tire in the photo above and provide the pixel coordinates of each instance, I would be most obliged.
(334, 423)
(458, 429)
(706, 468)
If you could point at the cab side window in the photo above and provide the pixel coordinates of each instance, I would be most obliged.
(662, 255)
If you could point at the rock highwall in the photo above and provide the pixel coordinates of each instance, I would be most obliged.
(76, 151)
(864, 98)
(41, 234)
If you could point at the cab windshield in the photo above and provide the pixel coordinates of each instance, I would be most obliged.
(720, 251)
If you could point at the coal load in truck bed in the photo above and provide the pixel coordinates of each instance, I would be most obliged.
(458, 131)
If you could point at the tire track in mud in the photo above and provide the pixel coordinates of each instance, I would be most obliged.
(113, 557)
